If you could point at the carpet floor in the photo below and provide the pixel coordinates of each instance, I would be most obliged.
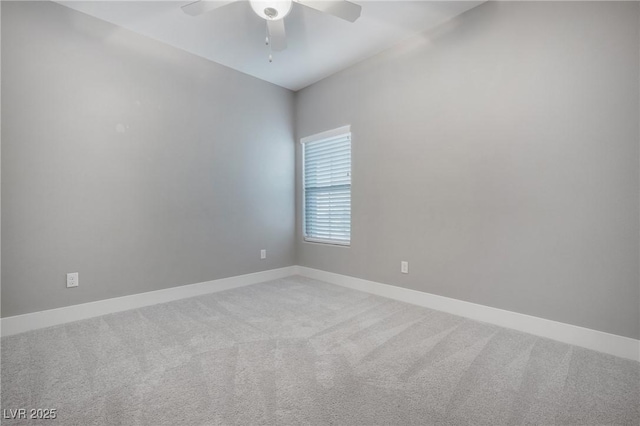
(300, 351)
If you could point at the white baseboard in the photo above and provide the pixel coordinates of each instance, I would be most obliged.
(620, 346)
(21, 323)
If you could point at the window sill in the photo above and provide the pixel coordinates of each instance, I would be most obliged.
(326, 242)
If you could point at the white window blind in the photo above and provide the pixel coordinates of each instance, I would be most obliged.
(327, 189)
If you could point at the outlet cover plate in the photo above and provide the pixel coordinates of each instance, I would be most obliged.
(72, 280)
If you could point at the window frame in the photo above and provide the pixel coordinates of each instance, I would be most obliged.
(329, 134)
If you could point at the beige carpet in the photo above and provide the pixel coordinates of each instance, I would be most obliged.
(298, 351)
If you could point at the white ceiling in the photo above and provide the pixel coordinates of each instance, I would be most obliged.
(318, 44)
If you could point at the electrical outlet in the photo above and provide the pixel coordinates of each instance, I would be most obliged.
(404, 267)
(72, 280)
(263, 254)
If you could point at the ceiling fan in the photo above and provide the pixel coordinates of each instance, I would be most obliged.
(274, 12)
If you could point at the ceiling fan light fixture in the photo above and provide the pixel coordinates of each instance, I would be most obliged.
(271, 10)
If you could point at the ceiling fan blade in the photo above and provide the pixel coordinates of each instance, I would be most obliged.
(200, 6)
(277, 36)
(340, 8)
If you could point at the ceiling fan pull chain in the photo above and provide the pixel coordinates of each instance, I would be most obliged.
(268, 43)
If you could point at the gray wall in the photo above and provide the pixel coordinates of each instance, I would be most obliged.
(499, 156)
(133, 163)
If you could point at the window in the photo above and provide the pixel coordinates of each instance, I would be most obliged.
(327, 187)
